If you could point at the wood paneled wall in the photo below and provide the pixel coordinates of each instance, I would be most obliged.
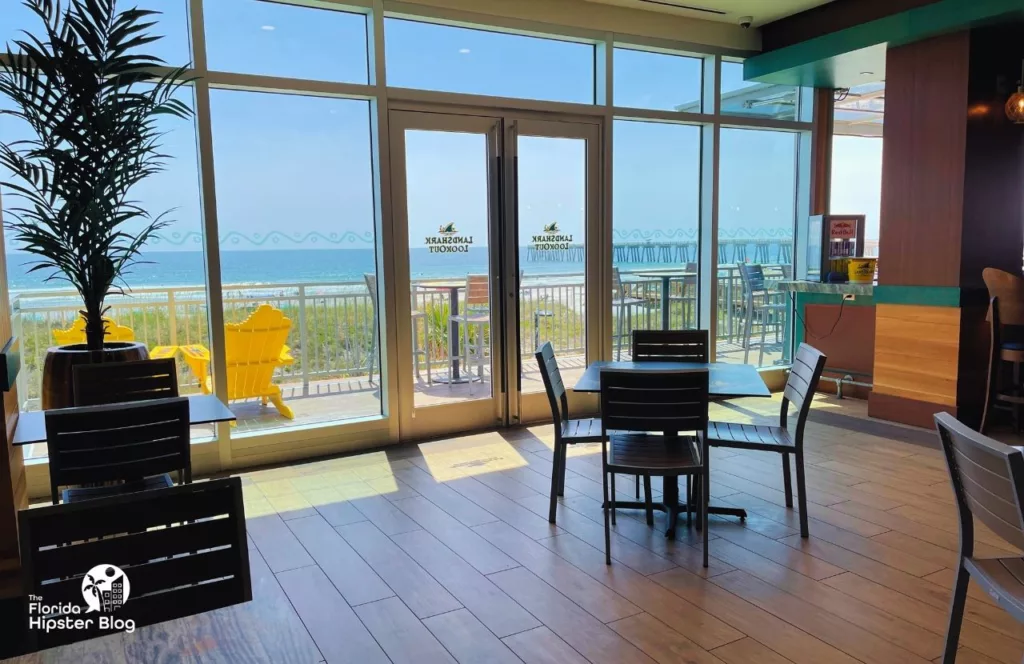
(923, 162)
(831, 17)
(917, 352)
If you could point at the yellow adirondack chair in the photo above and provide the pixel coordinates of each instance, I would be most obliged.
(254, 348)
(76, 333)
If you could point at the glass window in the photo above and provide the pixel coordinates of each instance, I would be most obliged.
(756, 215)
(172, 26)
(657, 81)
(857, 183)
(278, 39)
(428, 56)
(165, 299)
(656, 180)
(741, 97)
(295, 210)
(552, 191)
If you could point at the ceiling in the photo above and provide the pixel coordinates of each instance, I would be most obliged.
(726, 11)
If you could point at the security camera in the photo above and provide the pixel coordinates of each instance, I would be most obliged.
(746, 21)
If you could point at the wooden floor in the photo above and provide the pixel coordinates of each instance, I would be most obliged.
(442, 552)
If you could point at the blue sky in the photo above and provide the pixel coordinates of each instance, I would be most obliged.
(301, 165)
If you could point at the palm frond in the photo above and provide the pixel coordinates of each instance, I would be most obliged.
(83, 85)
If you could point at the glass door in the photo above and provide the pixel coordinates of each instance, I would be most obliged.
(556, 203)
(446, 209)
(496, 221)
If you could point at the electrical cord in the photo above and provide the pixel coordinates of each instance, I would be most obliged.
(807, 330)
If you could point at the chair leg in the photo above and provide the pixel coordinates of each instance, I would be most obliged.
(764, 330)
(956, 614)
(638, 487)
(613, 499)
(748, 328)
(689, 501)
(607, 507)
(801, 494)
(705, 501)
(648, 503)
(561, 471)
(555, 464)
(787, 484)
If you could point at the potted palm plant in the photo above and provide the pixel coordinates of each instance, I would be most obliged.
(91, 98)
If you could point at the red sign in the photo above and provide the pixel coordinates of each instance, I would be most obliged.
(844, 229)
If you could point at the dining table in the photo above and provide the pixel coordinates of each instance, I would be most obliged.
(202, 409)
(725, 381)
(453, 287)
(666, 277)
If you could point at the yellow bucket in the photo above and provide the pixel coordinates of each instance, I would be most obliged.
(862, 270)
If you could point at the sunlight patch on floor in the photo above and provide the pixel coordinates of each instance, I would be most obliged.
(469, 456)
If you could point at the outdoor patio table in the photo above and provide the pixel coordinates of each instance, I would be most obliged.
(202, 409)
(453, 288)
(666, 277)
(725, 381)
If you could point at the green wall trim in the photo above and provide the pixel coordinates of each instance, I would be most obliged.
(928, 296)
(836, 60)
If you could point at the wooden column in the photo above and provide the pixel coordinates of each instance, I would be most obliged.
(13, 494)
(951, 206)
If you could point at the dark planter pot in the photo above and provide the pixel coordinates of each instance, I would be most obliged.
(58, 384)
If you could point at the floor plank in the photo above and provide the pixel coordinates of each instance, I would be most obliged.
(591, 596)
(349, 573)
(476, 592)
(404, 638)
(749, 651)
(579, 629)
(661, 642)
(337, 632)
(468, 640)
(278, 546)
(420, 591)
(542, 646)
(476, 551)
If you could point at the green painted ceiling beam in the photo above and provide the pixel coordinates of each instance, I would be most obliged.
(837, 59)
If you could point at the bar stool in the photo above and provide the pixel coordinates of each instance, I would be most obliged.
(1006, 322)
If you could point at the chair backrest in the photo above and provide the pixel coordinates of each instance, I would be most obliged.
(670, 345)
(1009, 288)
(753, 278)
(371, 286)
(183, 550)
(666, 401)
(75, 334)
(120, 382)
(988, 478)
(617, 283)
(117, 442)
(478, 290)
(253, 350)
(553, 384)
(801, 385)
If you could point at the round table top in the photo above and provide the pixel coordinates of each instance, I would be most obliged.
(662, 274)
(441, 285)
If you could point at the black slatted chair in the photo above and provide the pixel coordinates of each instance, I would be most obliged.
(567, 431)
(135, 443)
(670, 346)
(800, 387)
(120, 382)
(988, 481)
(634, 404)
(198, 563)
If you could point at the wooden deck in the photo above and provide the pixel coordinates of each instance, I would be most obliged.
(441, 552)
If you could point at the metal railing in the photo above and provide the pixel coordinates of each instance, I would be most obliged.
(333, 324)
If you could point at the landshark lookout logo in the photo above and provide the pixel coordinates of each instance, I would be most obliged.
(552, 239)
(105, 588)
(448, 240)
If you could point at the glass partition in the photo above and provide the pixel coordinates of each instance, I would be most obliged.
(756, 217)
(643, 79)
(297, 248)
(656, 197)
